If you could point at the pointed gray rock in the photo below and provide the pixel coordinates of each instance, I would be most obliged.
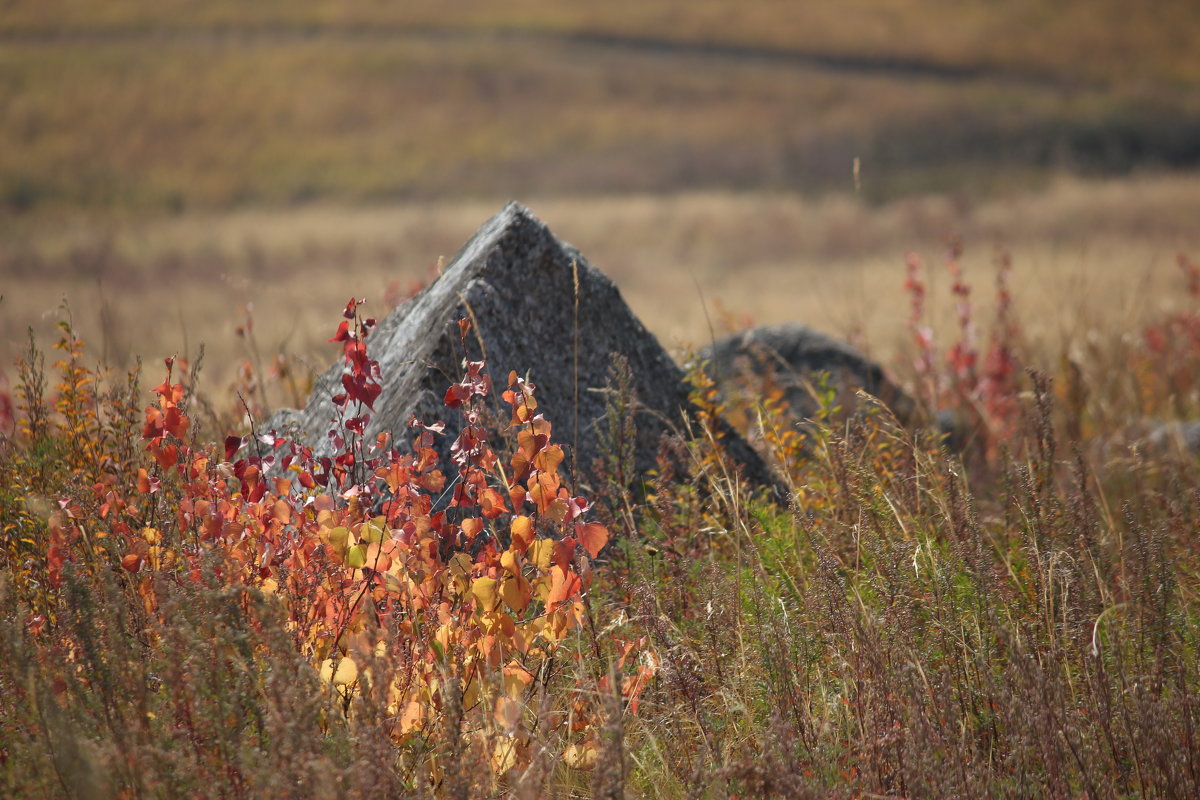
(520, 285)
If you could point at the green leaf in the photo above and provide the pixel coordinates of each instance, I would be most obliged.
(373, 530)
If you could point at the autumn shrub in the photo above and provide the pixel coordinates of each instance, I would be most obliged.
(440, 621)
(969, 387)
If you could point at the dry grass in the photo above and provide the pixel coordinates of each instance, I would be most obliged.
(1011, 621)
(1088, 257)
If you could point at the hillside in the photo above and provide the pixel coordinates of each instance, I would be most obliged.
(135, 107)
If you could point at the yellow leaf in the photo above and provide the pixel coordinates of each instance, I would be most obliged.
(442, 638)
(393, 584)
(504, 756)
(458, 573)
(580, 756)
(356, 557)
(460, 564)
(471, 694)
(484, 591)
(516, 592)
(522, 532)
(541, 552)
(557, 510)
(342, 673)
(338, 538)
(373, 530)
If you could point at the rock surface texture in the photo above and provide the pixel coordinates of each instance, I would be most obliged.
(790, 358)
(538, 308)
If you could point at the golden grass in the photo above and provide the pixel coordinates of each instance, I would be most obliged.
(1090, 258)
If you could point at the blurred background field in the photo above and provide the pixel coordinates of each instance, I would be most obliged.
(171, 168)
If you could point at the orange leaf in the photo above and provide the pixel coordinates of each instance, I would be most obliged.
(528, 443)
(433, 481)
(491, 503)
(548, 458)
(564, 586)
(412, 717)
(522, 533)
(507, 714)
(544, 489)
(471, 527)
(165, 456)
(145, 483)
(592, 537)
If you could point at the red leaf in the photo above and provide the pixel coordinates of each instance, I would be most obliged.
(455, 395)
(56, 557)
(343, 333)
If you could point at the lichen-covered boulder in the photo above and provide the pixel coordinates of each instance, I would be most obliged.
(799, 362)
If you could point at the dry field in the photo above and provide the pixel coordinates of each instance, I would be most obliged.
(164, 165)
(1090, 258)
(132, 108)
